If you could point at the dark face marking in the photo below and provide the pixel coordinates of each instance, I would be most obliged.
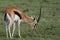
(18, 14)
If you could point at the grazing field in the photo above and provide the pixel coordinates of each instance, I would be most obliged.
(47, 29)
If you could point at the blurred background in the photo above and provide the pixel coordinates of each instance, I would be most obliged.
(47, 29)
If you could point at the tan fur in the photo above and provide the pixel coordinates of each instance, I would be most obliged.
(11, 13)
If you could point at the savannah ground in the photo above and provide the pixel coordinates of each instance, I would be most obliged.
(47, 29)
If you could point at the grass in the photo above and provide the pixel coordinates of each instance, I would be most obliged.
(47, 29)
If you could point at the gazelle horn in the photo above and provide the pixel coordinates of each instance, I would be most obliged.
(39, 17)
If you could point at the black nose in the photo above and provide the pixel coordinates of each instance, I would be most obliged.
(35, 25)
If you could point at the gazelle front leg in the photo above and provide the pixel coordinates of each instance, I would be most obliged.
(13, 29)
(19, 28)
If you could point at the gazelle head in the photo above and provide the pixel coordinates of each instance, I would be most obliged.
(36, 20)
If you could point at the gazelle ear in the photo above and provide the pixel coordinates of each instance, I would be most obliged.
(32, 18)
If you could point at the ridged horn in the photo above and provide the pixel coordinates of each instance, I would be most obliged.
(39, 17)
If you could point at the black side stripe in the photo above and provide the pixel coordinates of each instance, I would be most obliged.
(5, 15)
(18, 14)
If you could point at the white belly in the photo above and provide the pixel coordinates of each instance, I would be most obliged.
(16, 18)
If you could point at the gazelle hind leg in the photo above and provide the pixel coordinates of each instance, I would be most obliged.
(19, 28)
(6, 29)
(9, 26)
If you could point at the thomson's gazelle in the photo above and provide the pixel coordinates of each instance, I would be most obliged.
(13, 15)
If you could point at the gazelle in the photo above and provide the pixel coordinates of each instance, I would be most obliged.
(13, 15)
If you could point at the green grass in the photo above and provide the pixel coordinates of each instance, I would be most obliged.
(47, 29)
